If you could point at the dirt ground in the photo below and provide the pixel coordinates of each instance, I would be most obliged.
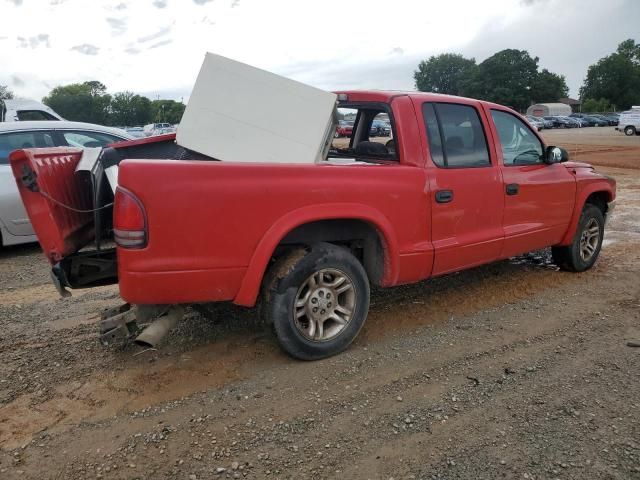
(511, 370)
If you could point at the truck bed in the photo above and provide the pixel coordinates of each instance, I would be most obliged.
(70, 204)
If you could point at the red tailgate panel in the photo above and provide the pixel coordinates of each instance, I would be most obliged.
(60, 231)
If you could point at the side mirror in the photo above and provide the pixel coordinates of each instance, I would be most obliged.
(555, 155)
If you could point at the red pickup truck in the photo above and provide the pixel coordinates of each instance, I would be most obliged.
(463, 183)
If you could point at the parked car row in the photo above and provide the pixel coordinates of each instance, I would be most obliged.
(575, 120)
(150, 130)
(378, 129)
(596, 119)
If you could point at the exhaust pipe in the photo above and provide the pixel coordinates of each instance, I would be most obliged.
(160, 327)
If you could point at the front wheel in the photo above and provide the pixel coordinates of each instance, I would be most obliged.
(317, 301)
(587, 242)
(630, 130)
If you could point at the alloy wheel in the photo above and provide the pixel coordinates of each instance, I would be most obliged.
(589, 239)
(324, 305)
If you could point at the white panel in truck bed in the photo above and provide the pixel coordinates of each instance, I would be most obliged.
(239, 113)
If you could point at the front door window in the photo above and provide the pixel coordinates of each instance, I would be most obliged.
(520, 146)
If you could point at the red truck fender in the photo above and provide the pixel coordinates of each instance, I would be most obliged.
(250, 286)
(582, 196)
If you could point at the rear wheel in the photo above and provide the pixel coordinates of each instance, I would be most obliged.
(587, 242)
(630, 130)
(318, 301)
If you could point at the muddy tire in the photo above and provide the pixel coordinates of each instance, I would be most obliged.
(317, 301)
(587, 242)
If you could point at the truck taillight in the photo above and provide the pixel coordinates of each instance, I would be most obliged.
(129, 220)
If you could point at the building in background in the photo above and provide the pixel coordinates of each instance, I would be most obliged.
(573, 103)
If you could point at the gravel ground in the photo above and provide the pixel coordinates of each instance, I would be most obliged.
(511, 370)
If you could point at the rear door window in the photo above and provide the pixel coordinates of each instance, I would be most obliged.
(455, 134)
(76, 138)
(16, 140)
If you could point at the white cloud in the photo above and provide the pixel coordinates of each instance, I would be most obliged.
(160, 33)
(331, 44)
(86, 49)
(118, 25)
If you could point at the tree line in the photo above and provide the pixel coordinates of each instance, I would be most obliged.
(90, 102)
(512, 77)
(509, 77)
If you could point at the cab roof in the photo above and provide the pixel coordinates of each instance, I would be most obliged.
(386, 96)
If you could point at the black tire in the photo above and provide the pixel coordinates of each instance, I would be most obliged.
(290, 275)
(569, 257)
(629, 130)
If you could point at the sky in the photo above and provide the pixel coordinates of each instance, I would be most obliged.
(156, 47)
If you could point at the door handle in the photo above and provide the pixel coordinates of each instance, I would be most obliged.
(444, 196)
(512, 189)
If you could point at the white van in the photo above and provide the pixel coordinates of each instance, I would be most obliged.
(630, 121)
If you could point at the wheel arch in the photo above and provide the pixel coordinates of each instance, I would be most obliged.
(600, 199)
(598, 194)
(326, 222)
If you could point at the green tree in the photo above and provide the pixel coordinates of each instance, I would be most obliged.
(507, 77)
(129, 109)
(548, 87)
(616, 77)
(82, 102)
(593, 105)
(630, 49)
(167, 111)
(444, 73)
(5, 93)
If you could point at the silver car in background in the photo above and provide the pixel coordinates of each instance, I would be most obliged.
(535, 123)
(15, 227)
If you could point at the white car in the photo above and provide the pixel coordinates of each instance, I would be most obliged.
(15, 227)
(629, 121)
(20, 110)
